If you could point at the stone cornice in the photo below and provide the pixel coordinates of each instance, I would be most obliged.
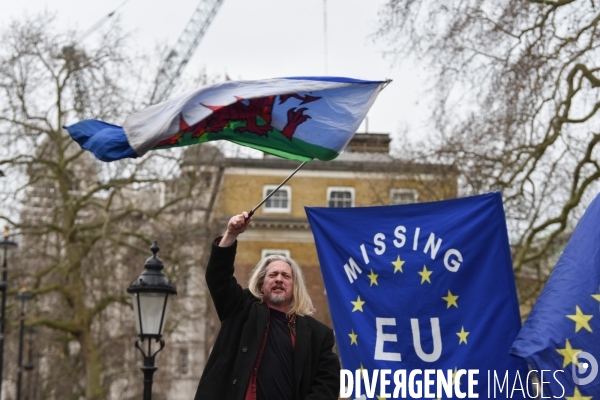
(394, 166)
(374, 162)
(277, 223)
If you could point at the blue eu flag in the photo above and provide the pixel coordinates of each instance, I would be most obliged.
(560, 334)
(423, 286)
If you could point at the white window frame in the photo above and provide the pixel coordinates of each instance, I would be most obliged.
(394, 191)
(184, 285)
(341, 189)
(269, 252)
(280, 210)
(183, 361)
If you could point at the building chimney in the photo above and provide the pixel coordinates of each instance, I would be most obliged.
(369, 143)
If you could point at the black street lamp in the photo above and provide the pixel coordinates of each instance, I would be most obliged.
(30, 336)
(31, 386)
(151, 294)
(6, 246)
(22, 297)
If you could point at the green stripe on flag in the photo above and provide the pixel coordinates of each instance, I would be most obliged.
(273, 143)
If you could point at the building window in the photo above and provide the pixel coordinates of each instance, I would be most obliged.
(184, 361)
(280, 202)
(206, 179)
(340, 197)
(269, 252)
(185, 284)
(403, 196)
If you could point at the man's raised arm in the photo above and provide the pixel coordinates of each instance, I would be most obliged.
(236, 225)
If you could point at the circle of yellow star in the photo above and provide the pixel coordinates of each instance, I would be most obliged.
(581, 320)
(578, 396)
(353, 337)
(425, 274)
(568, 353)
(398, 265)
(358, 305)
(373, 277)
(451, 299)
(462, 335)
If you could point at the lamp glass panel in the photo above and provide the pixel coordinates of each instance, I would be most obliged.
(136, 312)
(152, 305)
(7, 250)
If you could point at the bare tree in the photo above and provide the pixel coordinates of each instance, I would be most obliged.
(85, 226)
(517, 91)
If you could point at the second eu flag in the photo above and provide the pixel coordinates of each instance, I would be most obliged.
(423, 286)
(561, 333)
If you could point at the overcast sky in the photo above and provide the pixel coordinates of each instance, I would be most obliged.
(256, 39)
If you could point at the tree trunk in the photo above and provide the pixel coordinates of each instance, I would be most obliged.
(94, 389)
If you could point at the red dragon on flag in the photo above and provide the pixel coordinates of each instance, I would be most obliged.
(254, 116)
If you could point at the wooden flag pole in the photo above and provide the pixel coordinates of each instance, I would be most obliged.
(251, 213)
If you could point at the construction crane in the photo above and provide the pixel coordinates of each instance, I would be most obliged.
(181, 53)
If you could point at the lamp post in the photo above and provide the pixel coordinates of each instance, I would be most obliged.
(6, 246)
(30, 394)
(151, 294)
(30, 335)
(22, 297)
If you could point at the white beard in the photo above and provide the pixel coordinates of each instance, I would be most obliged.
(277, 299)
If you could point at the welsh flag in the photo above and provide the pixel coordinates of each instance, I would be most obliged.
(299, 118)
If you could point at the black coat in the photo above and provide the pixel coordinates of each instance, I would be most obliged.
(243, 324)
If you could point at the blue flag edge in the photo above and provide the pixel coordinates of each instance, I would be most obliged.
(106, 141)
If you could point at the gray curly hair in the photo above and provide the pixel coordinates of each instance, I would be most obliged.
(301, 303)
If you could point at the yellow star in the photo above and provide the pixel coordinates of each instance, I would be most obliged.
(568, 353)
(360, 374)
(596, 296)
(454, 376)
(353, 337)
(425, 274)
(581, 320)
(462, 335)
(578, 396)
(381, 398)
(398, 264)
(373, 277)
(358, 305)
(451, 299)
